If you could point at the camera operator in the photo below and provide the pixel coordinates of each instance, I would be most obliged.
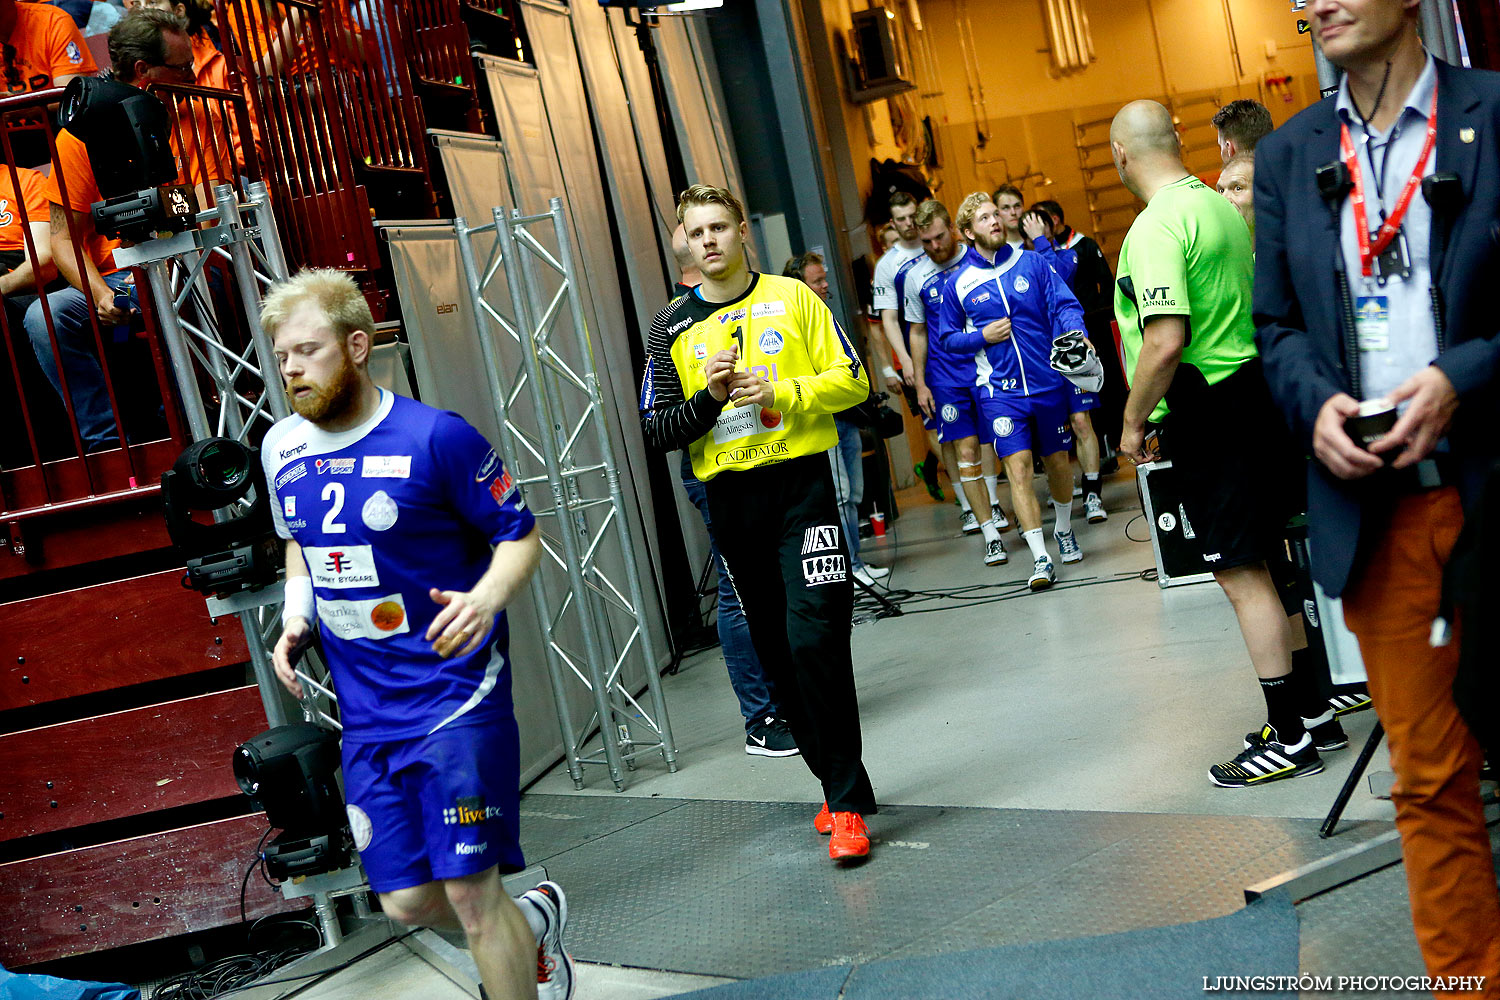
(146, 45)
(1405, 158)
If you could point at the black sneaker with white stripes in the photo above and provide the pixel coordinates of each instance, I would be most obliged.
(1354, 701)
(1326, 736)
(1268, 759)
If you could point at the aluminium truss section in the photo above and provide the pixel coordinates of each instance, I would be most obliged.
(555, 438)
(206, 286)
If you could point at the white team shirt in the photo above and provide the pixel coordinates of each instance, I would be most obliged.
(883, 284)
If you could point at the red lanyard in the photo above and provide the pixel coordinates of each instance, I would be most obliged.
(1369, 250)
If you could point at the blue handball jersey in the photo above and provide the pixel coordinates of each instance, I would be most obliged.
(412, 499)
(1023, 287)
(924, 300)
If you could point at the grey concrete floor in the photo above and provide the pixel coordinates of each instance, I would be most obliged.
(1115, 696)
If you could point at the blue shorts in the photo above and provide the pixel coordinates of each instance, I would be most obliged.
(957, 411)
(436, 807)
(1083, 401)
(1037, 423)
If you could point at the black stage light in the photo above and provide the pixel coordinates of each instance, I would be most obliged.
(239, 552)
(290, 772)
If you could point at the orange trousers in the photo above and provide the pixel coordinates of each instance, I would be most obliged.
(1450, 870)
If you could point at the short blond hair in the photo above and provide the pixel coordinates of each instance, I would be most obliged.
(706, 194)
(335, 294)
(930, 210)
(969, 208)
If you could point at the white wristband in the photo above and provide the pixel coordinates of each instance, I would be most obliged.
(297, 599)
(888, 372)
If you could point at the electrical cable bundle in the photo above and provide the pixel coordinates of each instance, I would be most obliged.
(236, 972)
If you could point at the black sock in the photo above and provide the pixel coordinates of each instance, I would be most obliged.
(1309, 694)
(1283, 707)
(1091, 485)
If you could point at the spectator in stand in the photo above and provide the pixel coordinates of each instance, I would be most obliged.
(1241, 124)
(93, 17)
(19, 280)
(41, 46)
(146, 46)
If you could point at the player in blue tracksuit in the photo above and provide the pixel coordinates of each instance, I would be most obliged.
(1011, 304)
(405, 539)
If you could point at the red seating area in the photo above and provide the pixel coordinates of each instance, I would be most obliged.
(120, 697)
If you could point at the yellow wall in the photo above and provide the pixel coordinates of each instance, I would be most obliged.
(1030, 109)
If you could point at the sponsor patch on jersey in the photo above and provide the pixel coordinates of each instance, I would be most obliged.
(981, 297)
(380, 511)
(342, 566)
(471, 848)
(819, 570)
(757, 453)
(360, 826)
(503, 486)
(771, 342)
(700, 351)
(386, 467)
(1003, 427)
(289, 506)
(1020, 284)
(75, 56)
(334, 466)
(291, 475)
(732, 317)
(376, 618)
(487, 467)
(770, 419)
(736, 422)
(470, 810)
(761, 309)
(950, 413)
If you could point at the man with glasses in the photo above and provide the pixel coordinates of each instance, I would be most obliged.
(146, 46)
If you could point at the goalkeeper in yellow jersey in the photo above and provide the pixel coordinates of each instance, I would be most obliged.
(745, 373)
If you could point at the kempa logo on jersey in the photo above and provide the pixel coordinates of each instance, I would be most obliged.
(471, 848)
(386, 467)
(287, 453)
(341, 567)
(679, 325)
(470, 811)
(820, 538)
(752, 453)
(762, 309)
(819, 570)
(291, 475)
(334, 466)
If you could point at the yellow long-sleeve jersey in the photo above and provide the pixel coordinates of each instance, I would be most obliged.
(784, 333)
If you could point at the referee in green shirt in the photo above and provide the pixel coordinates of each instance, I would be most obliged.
(1183, 303)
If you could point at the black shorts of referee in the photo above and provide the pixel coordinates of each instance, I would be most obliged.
(1237, 468)
(779, 532)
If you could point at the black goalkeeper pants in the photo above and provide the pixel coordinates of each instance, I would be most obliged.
(778, 530)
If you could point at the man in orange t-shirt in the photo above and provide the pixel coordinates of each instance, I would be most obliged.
(147, 45)
(41, 47)
(18, 283)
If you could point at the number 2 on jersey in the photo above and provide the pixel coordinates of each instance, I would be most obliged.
(335, 492)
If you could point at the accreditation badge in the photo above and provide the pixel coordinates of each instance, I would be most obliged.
(1372, 322)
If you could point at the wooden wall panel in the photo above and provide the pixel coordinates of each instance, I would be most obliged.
(110, 636)
(124, 764)
(132, 891)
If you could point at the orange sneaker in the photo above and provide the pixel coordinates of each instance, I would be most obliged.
(823, 821)
(851, 838)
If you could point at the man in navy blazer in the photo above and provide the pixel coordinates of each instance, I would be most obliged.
(1408, 151)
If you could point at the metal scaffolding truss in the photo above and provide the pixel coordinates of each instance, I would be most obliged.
(555, 441)
(243, 399)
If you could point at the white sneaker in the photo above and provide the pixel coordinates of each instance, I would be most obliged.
(969, 521)
(1067, 545)
(998, 516)
(867, 575)
(1093, 508)
(554, 966)
(1077, 492)
(995, 554)
(1043, 573)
